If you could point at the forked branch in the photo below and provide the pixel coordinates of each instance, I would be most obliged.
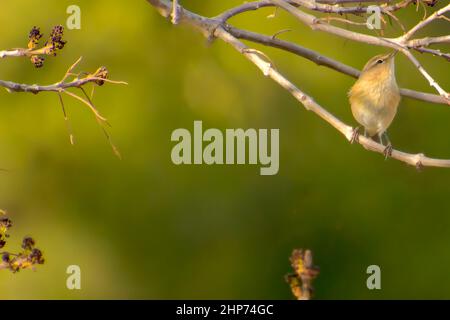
(218, 29)
(401, 44)
(70, 80)
(27, 258)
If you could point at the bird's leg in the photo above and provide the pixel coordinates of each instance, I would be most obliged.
(380, 139)
(355, 135)
(388, 150)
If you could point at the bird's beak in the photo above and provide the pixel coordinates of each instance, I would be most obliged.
(392, 54)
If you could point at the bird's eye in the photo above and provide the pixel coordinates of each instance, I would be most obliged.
(380, 61)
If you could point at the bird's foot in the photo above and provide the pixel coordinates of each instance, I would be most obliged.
(419, 166)
(388, 151)
(355, 135)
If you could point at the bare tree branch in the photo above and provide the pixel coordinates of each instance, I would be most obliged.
(99, 77)
(51, 47)
(424, 42)
(312, 5)
(212, 27)
(322, 60)
(434, 52)
(397, 44)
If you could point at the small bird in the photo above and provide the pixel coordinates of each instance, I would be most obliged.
(374, 98)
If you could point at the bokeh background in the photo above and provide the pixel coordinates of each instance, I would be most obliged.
(142, 227)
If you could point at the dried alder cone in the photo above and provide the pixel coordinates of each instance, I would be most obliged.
(27, 258)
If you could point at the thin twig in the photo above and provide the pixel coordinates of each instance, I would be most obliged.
(390, 14)
(175, 16)
(435, 52)
(57, 87)
(276, 34)
(328, 19)
(425, 42)
(102, 123)
(425, 22)
(63, 86)
(66, 120)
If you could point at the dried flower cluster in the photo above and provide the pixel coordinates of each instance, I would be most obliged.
(304, 274)
(50, 48)
(27, 258)
(101, 73)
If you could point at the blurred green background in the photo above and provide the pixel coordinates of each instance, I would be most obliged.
(142, 227)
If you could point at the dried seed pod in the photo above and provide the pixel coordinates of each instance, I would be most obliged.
(102, 73)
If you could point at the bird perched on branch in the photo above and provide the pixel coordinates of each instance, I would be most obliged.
(374, 98)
